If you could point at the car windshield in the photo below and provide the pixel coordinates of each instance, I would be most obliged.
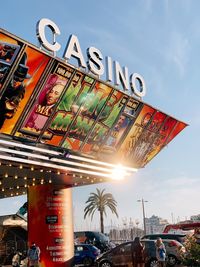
(102, 237)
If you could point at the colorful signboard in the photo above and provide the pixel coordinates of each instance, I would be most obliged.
(27, 65)
(52, 228)
(43, 99)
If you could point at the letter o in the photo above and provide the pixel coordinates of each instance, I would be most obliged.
(142, 90)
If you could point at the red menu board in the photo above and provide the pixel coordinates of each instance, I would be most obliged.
(50, 221)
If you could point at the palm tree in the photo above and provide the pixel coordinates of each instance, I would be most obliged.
(98, 202)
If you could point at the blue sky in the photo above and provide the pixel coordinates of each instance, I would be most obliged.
(159, 40)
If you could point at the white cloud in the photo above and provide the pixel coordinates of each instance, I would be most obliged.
(177, 52)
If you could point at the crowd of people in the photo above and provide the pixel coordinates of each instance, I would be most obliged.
(32, 258)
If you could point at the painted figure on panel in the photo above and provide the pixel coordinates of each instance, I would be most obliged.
(14, 93)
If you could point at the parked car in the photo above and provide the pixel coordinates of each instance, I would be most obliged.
(85, 254)
(174, 250)
(122, 255)
(97, 239)
(179, 237)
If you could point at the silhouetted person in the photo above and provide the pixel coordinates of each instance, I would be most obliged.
(138, 253)
(33, 255)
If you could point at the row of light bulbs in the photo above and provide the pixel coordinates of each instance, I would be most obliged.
(42, 181)
(31, 168)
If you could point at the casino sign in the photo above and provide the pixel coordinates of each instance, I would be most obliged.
(62, 126)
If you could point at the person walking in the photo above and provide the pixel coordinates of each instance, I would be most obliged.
(33, 255)
(160, 252)
(138, 253)
(16, 259)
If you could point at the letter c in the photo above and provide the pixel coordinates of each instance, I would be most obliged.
(40, 31)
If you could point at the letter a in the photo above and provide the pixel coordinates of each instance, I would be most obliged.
(73, 49)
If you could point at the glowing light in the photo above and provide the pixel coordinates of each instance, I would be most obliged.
(118, 173)
(14, 144)
(101, 163)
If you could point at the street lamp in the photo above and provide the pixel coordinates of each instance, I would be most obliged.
(143, 212)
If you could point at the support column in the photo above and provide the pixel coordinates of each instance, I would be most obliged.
(50, 224)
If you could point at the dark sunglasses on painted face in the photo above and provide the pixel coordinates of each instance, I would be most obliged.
(17, 79)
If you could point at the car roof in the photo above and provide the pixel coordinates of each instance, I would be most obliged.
(147, 240)
(131, 241)
(164, 234)
(84, 245)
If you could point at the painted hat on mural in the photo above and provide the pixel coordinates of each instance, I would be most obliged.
(3, 69)
(22, 69)
(22, 72)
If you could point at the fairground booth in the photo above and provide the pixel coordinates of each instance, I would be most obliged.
(63, 127)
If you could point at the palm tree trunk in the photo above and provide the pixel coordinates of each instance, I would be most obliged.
(101, 221)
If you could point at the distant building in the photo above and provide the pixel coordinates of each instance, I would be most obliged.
(155, 224)
(195, 218)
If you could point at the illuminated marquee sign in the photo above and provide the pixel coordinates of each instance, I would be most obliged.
(94, 63)
(44, 99)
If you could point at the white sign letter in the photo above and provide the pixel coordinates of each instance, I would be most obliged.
(109, 73)
(94, 63)
(120, 76)
(40, 30)
(142, 90)
(73, 49)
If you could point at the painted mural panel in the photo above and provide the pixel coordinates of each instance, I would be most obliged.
(30, 67)
(9, 49)
(8, 53)
(90, 110)
(112, 124)
(177, 129)
(137, 135)
(69, 108)
(122, 124)
(46, 100)
(150, 139)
